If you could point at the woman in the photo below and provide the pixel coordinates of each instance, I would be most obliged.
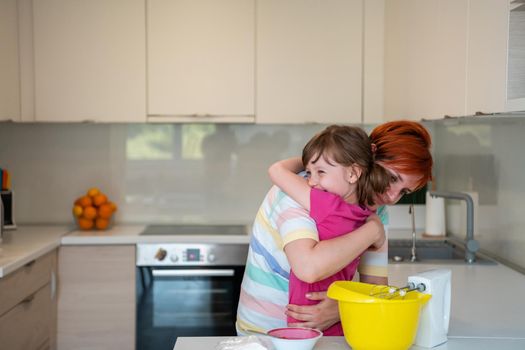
(284, 237)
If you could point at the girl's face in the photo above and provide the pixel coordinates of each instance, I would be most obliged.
(327, 175)
(400, 185)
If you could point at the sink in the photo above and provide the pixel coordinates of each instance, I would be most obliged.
(432, 251)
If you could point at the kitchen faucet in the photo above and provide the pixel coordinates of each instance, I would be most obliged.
(413, 256)
(471, 245)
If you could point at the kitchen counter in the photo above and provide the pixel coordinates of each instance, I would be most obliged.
(130, 234)
(485, 298)
(28, 243)
(339, 343)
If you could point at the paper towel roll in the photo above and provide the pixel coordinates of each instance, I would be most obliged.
(435, 216)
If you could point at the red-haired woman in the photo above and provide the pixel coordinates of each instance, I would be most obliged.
(284, 237)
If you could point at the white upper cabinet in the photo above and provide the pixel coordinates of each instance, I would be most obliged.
(9, 67)
(309, 61)
(445, 57)
(201, 60)
(487, 56)
(89, 60)
(516, 57)
(425, 58)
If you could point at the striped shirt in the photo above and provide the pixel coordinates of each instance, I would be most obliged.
(264, 290)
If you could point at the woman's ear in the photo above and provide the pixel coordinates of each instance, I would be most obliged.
(354, 173)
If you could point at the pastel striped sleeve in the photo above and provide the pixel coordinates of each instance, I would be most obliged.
(293, 221)
(375, 262)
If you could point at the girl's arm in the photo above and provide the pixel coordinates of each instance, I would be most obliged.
(284, 175)
(313, 261)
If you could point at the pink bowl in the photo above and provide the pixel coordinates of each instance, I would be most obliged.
(292, 338)
(294, 333)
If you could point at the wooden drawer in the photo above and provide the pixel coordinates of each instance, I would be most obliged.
(25, 281)
(28, 325)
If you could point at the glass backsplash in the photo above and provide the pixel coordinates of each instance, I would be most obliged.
(156, 173)
(485, 156)
(217, 173)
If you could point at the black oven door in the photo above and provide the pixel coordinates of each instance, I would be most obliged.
(188, 301)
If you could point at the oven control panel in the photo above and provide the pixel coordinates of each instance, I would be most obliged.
(177, 254)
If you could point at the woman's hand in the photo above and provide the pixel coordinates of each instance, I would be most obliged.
(320, 316)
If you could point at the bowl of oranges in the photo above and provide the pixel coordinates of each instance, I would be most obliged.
(93, 211)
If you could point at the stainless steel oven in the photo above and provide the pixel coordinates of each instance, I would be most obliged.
(187, 289)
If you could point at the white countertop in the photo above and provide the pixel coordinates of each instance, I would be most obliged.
(486, 299)
(130, 234)
(26, 244)
(339, 343)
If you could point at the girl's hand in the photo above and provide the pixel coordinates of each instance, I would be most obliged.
(320, 316)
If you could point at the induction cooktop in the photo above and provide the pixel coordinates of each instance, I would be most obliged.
(196, 230)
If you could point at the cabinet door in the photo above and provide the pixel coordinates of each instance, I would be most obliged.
(487, 56)
(9, 66)
(201, 60)
(89, 60)
(425, 58)
(309, 61)
(96, 297)
(28, 325)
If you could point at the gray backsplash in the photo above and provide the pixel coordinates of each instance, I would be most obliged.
(156, 173)
(486, 156)
(217, 173)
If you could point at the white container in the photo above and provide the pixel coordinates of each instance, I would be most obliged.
(435, 315)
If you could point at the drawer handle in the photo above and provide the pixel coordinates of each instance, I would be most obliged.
(28, 299)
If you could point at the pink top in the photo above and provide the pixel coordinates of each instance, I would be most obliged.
(334, 217)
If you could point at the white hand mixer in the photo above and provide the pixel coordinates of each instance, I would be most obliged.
(435, 315)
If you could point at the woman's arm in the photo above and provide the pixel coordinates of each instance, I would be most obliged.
(284, 175)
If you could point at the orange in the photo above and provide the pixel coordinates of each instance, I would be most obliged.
(105, 211)
(77, 210)
(101, 223)
(89, 213)
(85, 201)
(113, 206)
(92, 192)
(99, 199)
(85, 224)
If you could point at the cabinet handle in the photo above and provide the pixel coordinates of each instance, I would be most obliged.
(28, 299)
(194, 273)
(53, 285)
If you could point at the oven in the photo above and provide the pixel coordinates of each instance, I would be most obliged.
(187, 289)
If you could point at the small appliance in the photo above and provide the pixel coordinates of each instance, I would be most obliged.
(435, 315)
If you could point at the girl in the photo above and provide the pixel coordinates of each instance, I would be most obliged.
(342, 179)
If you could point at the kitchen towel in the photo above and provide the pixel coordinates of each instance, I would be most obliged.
(435, 216)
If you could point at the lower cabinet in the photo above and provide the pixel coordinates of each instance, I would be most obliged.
(28, 306)
(96, 297)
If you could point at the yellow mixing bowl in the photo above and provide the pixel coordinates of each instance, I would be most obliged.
(373, 323)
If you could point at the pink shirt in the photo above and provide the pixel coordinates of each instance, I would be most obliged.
(334, 217)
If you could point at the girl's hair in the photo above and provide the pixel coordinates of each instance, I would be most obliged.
(404, 146)
(348, 145)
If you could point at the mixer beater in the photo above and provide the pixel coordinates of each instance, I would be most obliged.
(392, 292)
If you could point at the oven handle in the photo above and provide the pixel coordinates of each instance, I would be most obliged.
(194, 273)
